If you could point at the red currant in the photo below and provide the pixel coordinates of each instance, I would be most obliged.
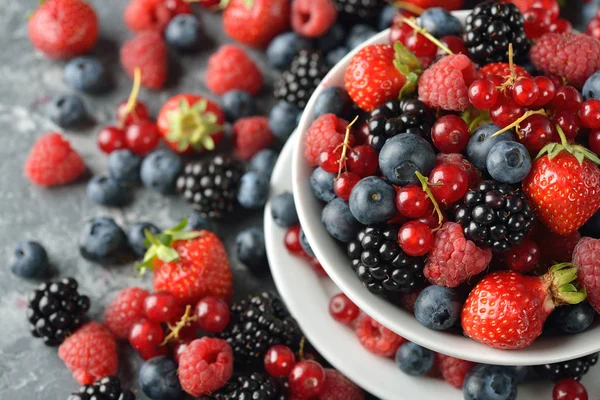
(594, 141)
(292, 242)
(589, 114)
(111, 138)
(330, 161)
(363, 160)
(342, 309)
(420, 45)
(483, 94)
(551, 5)
(279, 361)
(146, 335)
(454, 43)
(343, 185)
(505, 112)
(306, 379)
(139, 113)
(142, 137)
(569, 389)
(400, 31)
(415, 238)
(162, 307)
(536, 131)
(155, 352)
(567, 98)
(212, 314)
(568, 122)
(412, 201)
(450, 134)
(178, 347)
(318, 268)
(497, 80)
(522, 258)
(525, 92)
(432, 219)
(448, 183)
(547, 91)
(561, 25)
(537, 22)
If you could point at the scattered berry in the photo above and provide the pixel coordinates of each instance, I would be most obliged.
(569, 389)
(124, 166)
(283, 120)
(160, 171)
(251, 135)
(283, 48)
(321, 183)
(279, 361)
(333, 100)
(183, 32)
(101, 240)
(253, 191)
(324, 134)
(574, 369)
(147, 51)
(158, 379)
(250, 249)
(339, 221)
(522, 258)
(111, 138)
(246, 24)
(125, 309)
(404, 155)
(30, 260)
(212, 314)
(283, 210)
(572, 319)
(311, 18)
(238, 104)
(231, 68)
(136, 236)
(52, 161)
(142, 137)
(376, 338)
(109, 386)
(67, 111)
(86, 74)
(372, 200)
(162, 307)
(153, 15)
(300, 80)
(106, 191)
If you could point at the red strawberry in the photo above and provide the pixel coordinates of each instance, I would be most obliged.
(191, 123)
(141, 15)
(63, 28)
(148, 52)
(251, 135)
(231, 68)
(52, 161)
(447, 4)
(256, 22)
(124, 310)
(507, 310)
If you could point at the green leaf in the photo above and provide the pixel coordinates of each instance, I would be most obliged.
(167, 254)
(179, 227)
(208, 142)
(409, 66)
(186, 235)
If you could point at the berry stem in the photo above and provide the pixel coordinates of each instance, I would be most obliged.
(345, 146)
(175, 329)
(410, 7)
(411, 22)
(579, 152)
(522, 118)
(512, 77)
(301, 348)
(562, 279)
(133, 96)
(425, 185)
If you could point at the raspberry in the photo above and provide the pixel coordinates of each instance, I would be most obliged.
(377, 338)
(124, 310)
(502, 70)
(90, 353)
(53, 162)
(454, 259)
(141, 15)
(257, 22)
(231, 68)
(460, 161)
(325, 134)
(251, 135)
(586, 256)
(446, 83)
(454, 370)
(574, 57)
(147, 51)
(338, 387)
(205, 366)
(313, 18)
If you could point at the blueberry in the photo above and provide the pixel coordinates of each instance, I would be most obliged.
(106, 191)
(333, 38)
(339, 221)
(321, 183)
(333, 100)
(30, 260)
(439, 22)
(283, 210)
(481, 143)
(359, 34)
(250, 248)
(101, 240)
(386, 17)
(305, 245)
(592, 227)
(284, 48)
(124, 166)
(197, 223)
(283, 120)
(591, 89)
(86, 74)
(238, 104)
(136, 236)
(403, 155)
(572, 318)
(263, 162)
(521, 373)
(508, 162)
(336, 55)
(183, 31)
(67, 111)
(437, 307)
(253, 191)
(160, 170)
(413, 359)
(373, 200)
(490, 382)
(159, 380)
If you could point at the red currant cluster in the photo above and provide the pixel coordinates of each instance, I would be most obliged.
(542, 17)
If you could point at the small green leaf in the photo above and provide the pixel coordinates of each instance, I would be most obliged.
(179, 227)
(208, 143)
(167, 254)
(186, 235)
(569, 287)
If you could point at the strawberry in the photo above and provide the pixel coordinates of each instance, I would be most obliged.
(563, 186)
(256, 22)
(191, 123)
(447, 4)
(507, 310)
(188, 264)
(148, 52)
(53, 162)
(141, 15)
(63, 29)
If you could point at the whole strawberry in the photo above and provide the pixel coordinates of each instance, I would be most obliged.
(148, 52)
(52, 161)
(231, 68)
(507, 310)
(141, 15)
(256, 22)
(587, 257)
(63, 29)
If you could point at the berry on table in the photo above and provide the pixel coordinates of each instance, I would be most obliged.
(283, 120)
(251, 135)
(212, 314)
(569, 389)
(313, 18)
(183, 32)
(110, 139)
(321, 183)
(283, 48)
(250, 249)
(413, 359)
(283, 210)
(522, 258)
(450, 134)
(574, 369)
(108, 386)
(300, 80)
(376, 338)
(124, 166)
(106, 191)
(253, 191)
(231, 68)
(402, 156)
(67, 111)
(508, 162)
(124, 310)
(306, 379)
(372, 200)
(437, 307)
(142, 137)
(344, 184)
(342, 309)
(158, 379)
(29, 260)
(86, 74)
(238, 104)
(136, 236)
(490, 382)
(246, 24)
(101, 240)
(279, 361)
(146, 51)
(292, 241)
(153, 15)
(160, 171)
(162, 307)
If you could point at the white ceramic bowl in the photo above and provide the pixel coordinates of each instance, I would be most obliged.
(334, 260)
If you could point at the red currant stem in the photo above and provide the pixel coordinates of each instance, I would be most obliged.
(301, 348)
(175, 329)
(425, 185)
(132, 100)
(512, 78)
(405, 5)
(522, 118)
(345, 146)
(429, 36)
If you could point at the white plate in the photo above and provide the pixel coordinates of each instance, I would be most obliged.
(307, 297)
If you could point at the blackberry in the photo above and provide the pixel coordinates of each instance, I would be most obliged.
(107, 388)
(297, 84)
(495, 216)
(56, 310)
(402, 116)
(257, 324)
(567, 369)
(380, 263)
(363, 9)
(211, 186)
(490, 28)
(255, 386)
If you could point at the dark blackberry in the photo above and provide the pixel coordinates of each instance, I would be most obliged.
(257, 324)
(380, 263)
(297, 84)
(490, 28)
(56, 310)
(401, 116)
(107, 388)
(363, 9)
(211, 186)
(255, 386)
(567, 369)
(495, 216)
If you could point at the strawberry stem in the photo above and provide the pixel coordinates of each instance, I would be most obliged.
(410, 7)
(425, 185)
(522, 118)
(579, 152)
(563, 284)
(345, 146)
(175, 329)
(411, 22)
(133, 96)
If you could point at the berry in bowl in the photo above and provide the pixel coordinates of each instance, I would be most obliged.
(457, 179)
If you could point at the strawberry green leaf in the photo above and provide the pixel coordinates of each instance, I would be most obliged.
(408, 65)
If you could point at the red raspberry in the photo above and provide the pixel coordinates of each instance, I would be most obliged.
(52, 161)
(454, 370)
(205, 366)
(313, 18)
(502, 70)
(454, 259)
(556, 248)
(251, 135)
(572, 56)
(147, 51)
(124, 310)
(377, 338)
(256, 22)
(338, 387)
(90, 353)
(586, 256)
(141, 15)
(325, 134)
(231, 68)
(446, 83)
(460, 161)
